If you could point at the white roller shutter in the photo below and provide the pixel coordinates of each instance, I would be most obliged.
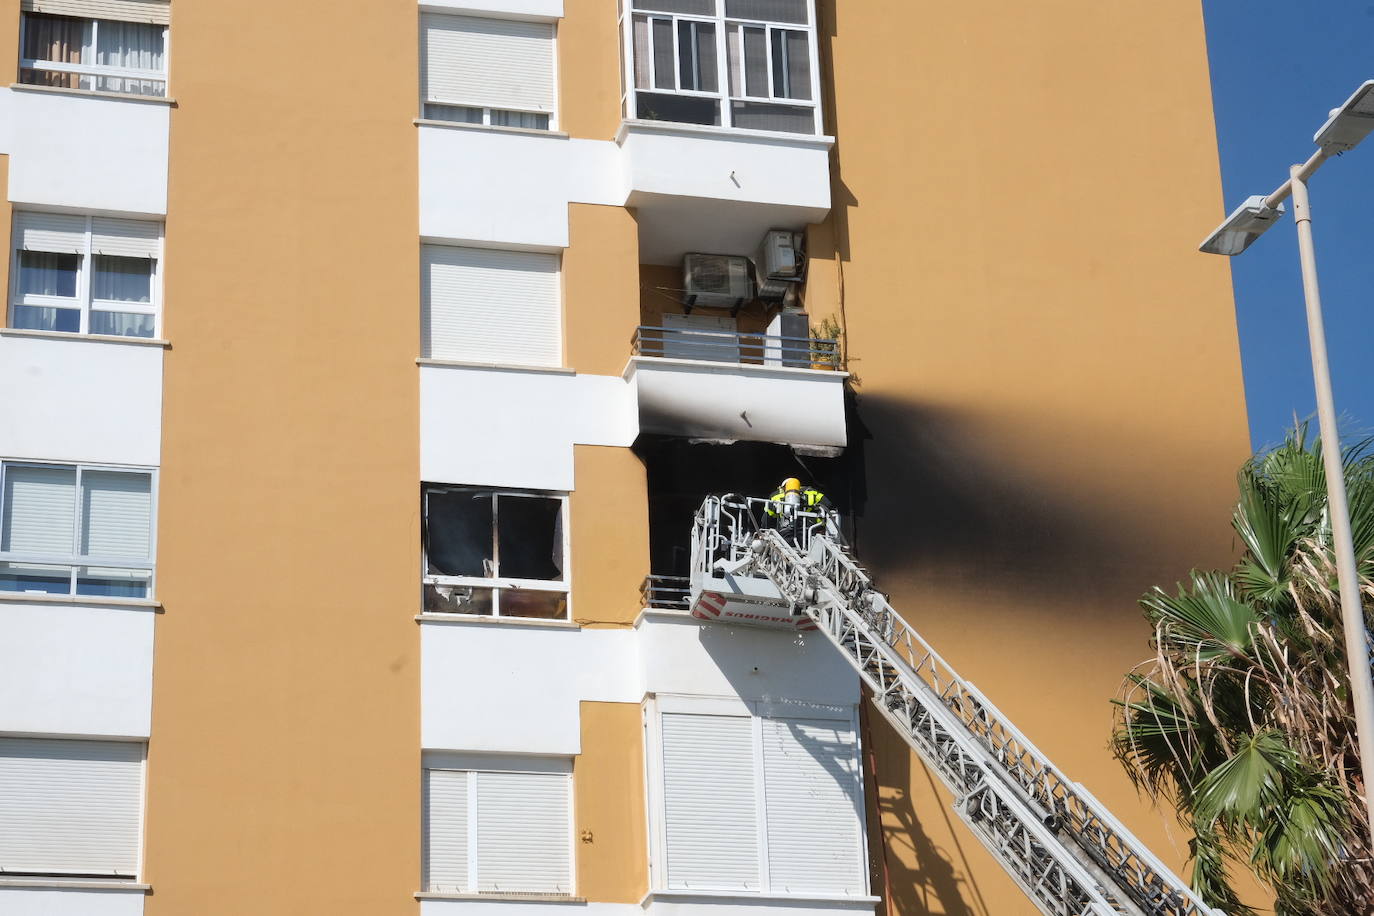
(58, 232)
(155, 11)
(39, 514)
(491, 306)
(710, 818)
(811, 791)
(116, 514)
(70, 807)
(127, 238)
(446, 830)
(487, 63)
(524, 833)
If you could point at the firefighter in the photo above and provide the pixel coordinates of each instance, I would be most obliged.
(790, 497)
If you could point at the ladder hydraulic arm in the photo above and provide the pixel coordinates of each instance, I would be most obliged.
(1064, 849)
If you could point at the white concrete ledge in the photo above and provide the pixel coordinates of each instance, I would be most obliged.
(97, 338)
(502, 367)
(491, 128)
(95, 94)
(502, 898)
(151, 604)
(429, 617)
(735, 897)
(677, 128)
(76, 884)
(755, 369)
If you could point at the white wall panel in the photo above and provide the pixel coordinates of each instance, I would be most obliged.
(471, 907)
(58, 156)
(505, 188)
(47, 901)
(74, 670)
(515, 9)
(512, 428)
(80, 400)
(517, 689)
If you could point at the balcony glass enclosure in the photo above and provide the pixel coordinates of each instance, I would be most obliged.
(726, 63)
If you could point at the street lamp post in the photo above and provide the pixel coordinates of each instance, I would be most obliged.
(1346, 127)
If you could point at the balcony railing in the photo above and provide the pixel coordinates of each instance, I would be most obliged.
(737, 348)
(664, 593)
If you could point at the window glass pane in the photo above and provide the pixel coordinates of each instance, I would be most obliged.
(696, 52)
(48, 273)
(122, 324)
(641, 52)
(31, 577)
(120, 279)
(791, 119)
(530, 532)
(791, 65)
(767, 10)
(692, 7)
(129, 86)
(59, 39)
(39, 511)
(755, 63)
(524, 602)
(682, 109)
(116, 514)
(458, 113)
(663, 54)
(458, 534)
(457, 599)
(113, 583)
(129, 45)
(43, 318)
(526, 119)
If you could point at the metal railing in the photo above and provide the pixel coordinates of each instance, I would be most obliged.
(665, 593)
(736, 347)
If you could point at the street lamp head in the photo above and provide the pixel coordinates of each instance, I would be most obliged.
(1245, 224)
(1350, 123)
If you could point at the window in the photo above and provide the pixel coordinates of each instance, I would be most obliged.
(86, 275)
(765, 49)
(73, 44)
(76, 530)
(485, 305)
(497, 827)
(487, 71)
(70, 808)
(495, 553)
(751, 801)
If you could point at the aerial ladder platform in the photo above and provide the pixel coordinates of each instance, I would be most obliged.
(756, 564)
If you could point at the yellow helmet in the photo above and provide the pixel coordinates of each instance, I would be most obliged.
(791, 485)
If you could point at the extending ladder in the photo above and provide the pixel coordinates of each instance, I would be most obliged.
(1065, 850)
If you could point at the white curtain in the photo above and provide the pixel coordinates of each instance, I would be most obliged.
(122, 324)
(130, 46)
(121, 279)
(47, 273)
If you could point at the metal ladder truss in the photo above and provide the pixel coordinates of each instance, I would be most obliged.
(1065, 850)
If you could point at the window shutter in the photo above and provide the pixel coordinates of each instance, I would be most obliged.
(39, 514)
(58, 232)
(116, 514)
(70, 807)
(811, 792)
(492, 63)
(490, 306)
(126, 238)
(154, 11)
(710, 818)
(524, 833)
(446, 830)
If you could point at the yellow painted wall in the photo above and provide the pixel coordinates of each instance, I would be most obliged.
(609, 517)
(589, 69)
(600, 295)
(1049, 370)
(608, 779)
(283, 773)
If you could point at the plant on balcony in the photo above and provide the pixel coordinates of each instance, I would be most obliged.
(826, 355)
(1241, 721)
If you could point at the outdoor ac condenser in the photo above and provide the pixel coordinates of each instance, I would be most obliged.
(780, 263)
(716, 281)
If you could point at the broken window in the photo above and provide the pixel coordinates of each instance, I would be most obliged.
(494, 553)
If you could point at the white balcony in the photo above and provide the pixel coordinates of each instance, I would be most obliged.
(739, 387)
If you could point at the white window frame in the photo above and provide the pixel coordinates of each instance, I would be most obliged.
(499, 583)
(95, 70)
(76, 560)
(756, 711)
(142, 816)
(475, 764)
(85, 273)
(723, 96)
(425, 103)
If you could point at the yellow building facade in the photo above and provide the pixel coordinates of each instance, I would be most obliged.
(355, 384)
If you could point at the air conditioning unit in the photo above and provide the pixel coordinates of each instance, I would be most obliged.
(716, 281)
(780, 262)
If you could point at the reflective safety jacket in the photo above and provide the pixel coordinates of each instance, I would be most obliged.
(811, 498)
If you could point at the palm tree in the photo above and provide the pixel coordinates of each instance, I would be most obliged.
(1242, 719)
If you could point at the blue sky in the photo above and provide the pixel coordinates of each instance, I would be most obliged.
(1278, 67)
